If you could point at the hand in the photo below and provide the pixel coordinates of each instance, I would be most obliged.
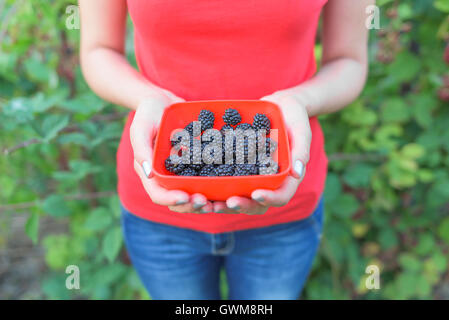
(300, 135)
(142, 133)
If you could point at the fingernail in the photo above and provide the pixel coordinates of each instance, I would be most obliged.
(198, 205)
(299, 168)
(235, 208)
(146, 166)
(179, 202)
(204, 210)
(258, 199)
(219, 211)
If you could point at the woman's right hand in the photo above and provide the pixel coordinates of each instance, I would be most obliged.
(142, 133)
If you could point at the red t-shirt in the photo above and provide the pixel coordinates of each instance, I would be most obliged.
(215, 49)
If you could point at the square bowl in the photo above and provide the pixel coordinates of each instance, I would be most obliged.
(220, 188)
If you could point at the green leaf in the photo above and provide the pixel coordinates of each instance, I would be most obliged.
(359, 115)
(443, 230)
(56, 206)
(425, 244)
(78, 138)
(406, 285)
(108, 274)
(37, 70)
(423, 287)
(426, 175)
(333, 188)
(52, 124)
(439, 261)
(409, 262)
(345, 205)
(87, 103)
(442, 5)
(32, 227)
(405, 11)
(404, 68)
(358, 175)
(78, 170)
(112, 243)
(19, 110)
(422, 108)
(98, 219)
(381, 3)
(54, 287)
(41, 102)
(388, 238)
(395, 110)
(413, 151)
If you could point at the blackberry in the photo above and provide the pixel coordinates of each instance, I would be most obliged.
(226, 127)
(188, 172)
(270, 147)
(244, 126)
(232, 117)
(175, 142)
(207, 119)
(195, 156)
(225, 170)
(190, 151)
(230, 152)
(184, 144)
(194, 166)
(268, 168)
(261, 121)
(176, 168)
(208, 171)
(208, 156)
(203, 145)
(179, 144)
(189, 129)
(243, 151)
(246, 170)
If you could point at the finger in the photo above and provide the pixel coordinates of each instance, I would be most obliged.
(188, 208)
(198, 201)
(300, 134)
(245, 205)
(300, 151)
(301, 139)
(279, 197)
(221, 207)
(142, 131)
(158, 194)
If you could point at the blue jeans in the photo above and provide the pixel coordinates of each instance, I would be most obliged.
(263, 263)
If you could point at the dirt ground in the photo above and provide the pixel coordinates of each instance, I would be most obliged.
(22, 264)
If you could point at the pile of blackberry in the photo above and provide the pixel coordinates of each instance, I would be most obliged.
(240, 148)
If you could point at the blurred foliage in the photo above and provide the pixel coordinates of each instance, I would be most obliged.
(387, 193)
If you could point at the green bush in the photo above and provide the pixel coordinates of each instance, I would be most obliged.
(387, 190)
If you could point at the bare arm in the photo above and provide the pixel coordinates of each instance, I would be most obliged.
(109, 75)
(344, 61)
(103, 62)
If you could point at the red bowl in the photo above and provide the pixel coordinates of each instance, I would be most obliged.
(178, 115)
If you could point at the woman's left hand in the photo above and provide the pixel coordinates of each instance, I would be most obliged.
(300, 135)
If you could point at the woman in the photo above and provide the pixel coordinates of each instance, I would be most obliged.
(215, 49)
